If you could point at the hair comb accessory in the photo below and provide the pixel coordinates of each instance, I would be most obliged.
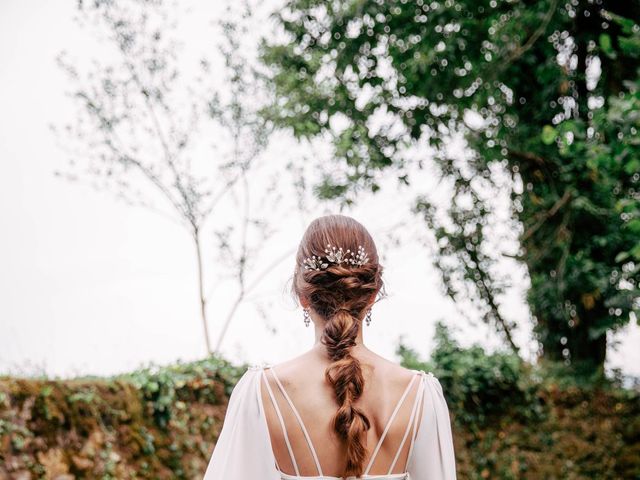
(336, 256)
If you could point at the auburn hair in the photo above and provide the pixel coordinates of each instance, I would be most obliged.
(340, 294)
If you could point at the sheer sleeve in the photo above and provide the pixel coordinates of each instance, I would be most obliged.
(432, 457)
(243, 450)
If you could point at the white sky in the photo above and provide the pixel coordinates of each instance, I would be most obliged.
(89, 285)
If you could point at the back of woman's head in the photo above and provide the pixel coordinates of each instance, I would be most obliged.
(339, 275)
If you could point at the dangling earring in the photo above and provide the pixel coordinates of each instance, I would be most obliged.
(307, 319)
(367, 319)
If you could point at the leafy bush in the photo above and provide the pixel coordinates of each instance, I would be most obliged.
(159, 386)
(478, 385)
(154, 423)
(513, 420)
(510, 421)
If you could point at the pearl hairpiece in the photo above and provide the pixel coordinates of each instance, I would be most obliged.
(337, 256)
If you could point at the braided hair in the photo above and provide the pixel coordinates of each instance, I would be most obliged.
(340, 294)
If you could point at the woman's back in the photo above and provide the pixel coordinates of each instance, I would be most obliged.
(339, 410)
(390, 400)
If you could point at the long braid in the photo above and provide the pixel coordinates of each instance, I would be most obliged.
(340, 294)
(345, 376)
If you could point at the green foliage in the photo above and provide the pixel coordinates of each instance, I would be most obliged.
(160, 387)
(155, 423)
(520, 82)
(508, 422)
(512, 420)
(479, 386)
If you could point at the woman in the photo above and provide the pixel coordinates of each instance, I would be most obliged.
(339, 410)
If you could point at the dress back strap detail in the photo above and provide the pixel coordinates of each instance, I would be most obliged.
(282, 425)
(412, 423)
(389, 422)
(417, 419)
(300, 422)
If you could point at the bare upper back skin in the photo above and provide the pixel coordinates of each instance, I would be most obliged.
(303, 379)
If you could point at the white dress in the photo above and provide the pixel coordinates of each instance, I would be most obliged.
(243, 450)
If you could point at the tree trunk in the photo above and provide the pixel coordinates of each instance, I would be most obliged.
(585, 354)
(588, 353)
(203, 301)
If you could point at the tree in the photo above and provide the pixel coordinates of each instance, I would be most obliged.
(143, 121)
(544, 95)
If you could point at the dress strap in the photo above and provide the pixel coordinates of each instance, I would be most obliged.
(388, 425)
(410, 424)
(284, 428)
(300, 422)
(417, 418)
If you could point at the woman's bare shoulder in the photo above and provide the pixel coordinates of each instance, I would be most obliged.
(390, 371)
(298, 368)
